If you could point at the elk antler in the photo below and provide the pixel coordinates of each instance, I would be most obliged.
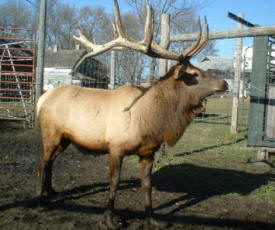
(147, 46)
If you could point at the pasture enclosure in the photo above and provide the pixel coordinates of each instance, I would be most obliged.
(208, 180)
(17, 62)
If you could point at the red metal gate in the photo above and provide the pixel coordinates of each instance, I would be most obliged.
(17, 65)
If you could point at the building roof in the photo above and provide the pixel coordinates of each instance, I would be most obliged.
(62, 58)
(216, 63)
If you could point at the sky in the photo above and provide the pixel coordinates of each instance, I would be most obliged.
(260, 12)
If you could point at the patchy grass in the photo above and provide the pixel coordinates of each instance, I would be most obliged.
(214, 161)
(217, 160)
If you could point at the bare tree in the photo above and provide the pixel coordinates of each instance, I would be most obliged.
(130, 63)
(61, 24)
(16, 13)
(95, 23)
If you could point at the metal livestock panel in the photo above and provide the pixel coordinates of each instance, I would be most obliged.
(17, 62)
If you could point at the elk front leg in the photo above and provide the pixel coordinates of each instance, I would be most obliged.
(115, 162)
(146, 164)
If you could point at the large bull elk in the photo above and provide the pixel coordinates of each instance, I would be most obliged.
(127, 120)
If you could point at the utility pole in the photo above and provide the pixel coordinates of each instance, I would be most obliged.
(41, 51)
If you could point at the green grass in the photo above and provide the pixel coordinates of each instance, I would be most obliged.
(219, 162)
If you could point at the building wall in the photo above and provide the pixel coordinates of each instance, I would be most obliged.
(55, 77)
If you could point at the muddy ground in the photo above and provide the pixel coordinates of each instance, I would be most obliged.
(83, 182)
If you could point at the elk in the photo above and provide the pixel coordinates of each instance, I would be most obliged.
(129, 119)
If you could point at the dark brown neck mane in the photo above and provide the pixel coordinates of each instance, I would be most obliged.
(164, 111)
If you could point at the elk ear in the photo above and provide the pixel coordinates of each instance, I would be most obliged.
(182, 72)
(187, 78)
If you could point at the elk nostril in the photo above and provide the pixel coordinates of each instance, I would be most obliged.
(225, 85)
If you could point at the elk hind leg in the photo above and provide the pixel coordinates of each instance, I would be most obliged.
(115, 163)
(51, 149)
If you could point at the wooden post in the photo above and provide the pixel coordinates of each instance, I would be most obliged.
(112, 71)
(236, 84)
(164, 42)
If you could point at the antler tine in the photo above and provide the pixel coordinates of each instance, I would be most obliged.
(188, 53)
(204, 40)
(118, 23)
(82, 39)
(115, 31)
(75, 67)
(149, 26)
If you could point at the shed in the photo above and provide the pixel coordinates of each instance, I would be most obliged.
(58, 70)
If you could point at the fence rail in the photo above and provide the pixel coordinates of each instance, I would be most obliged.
(246, 32)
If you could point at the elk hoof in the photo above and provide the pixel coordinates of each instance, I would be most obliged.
(51, 192)
(112, 222)
(156, 224)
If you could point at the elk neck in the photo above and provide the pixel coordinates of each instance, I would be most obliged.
(164, 111)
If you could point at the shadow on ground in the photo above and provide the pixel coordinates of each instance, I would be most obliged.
(192, 184)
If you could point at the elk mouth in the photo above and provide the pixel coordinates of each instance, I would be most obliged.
(198, 109)
(219, 92)
(216, 92)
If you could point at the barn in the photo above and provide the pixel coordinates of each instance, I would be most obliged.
(58, 70)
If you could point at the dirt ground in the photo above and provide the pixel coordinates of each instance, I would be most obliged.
(82, 181)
